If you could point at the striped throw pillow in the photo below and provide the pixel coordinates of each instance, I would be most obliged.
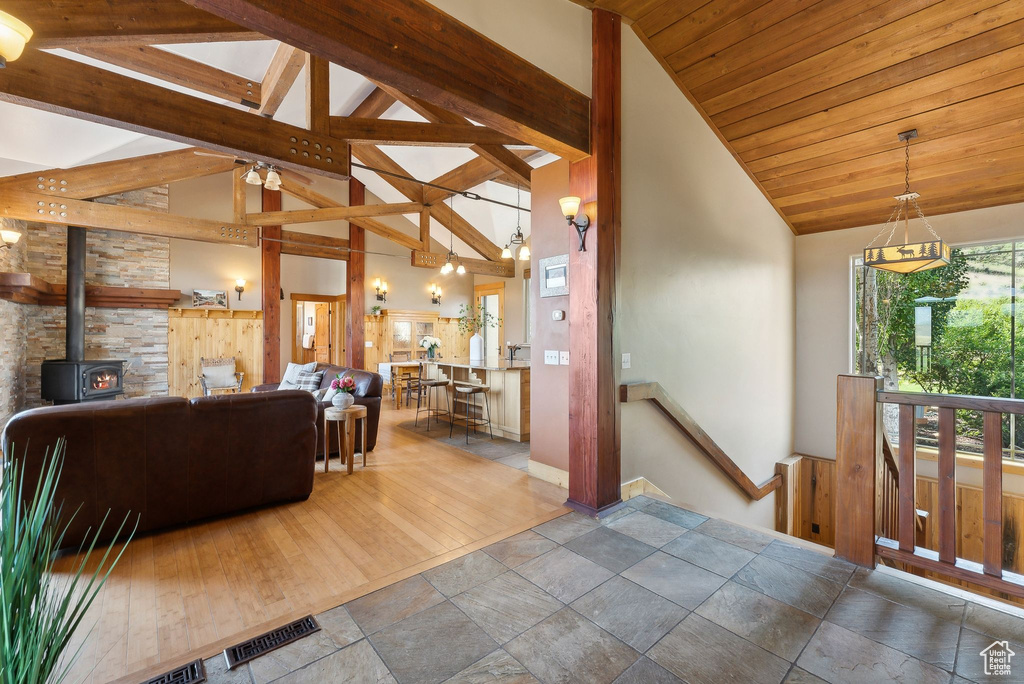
(309, 380)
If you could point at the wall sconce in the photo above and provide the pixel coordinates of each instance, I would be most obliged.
(14, 33)
(240, 287)
(570, 207)
(8, 238)
(435, 294)
(382, 290)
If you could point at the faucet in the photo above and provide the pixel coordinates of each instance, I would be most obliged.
(512, 349)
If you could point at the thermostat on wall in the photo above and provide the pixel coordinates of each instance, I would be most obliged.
(558, 315)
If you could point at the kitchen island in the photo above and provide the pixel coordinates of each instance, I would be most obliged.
(509, 394)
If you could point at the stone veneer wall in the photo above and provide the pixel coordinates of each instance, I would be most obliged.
(113, 259)
(12, 333)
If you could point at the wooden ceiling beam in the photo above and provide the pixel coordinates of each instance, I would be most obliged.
(502, 157)
(373, 105)
(415, 47)
(471, 174)
(465, 231)
(372, 156)
(394, 132)
(179, 70)
(309, 245)
(285, 67)
(74, 23)
(123, 175)
(501, 269)
(318, 94)
(386, 231)
(25, 206)
(56, 84)
(283, 218)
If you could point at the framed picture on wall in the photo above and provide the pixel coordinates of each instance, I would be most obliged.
(209, 299)
(554, 276)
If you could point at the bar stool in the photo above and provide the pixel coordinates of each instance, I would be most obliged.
(426, 386)
(470, 391)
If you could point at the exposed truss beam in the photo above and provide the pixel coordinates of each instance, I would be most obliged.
(39, 208)
(179, 70)
(318, 94)
(502, 157)
(465, 231)
(284, 218)
(386, 231)
(374, 105)
(123, 175)
(56, 84)
(470, 175)
(501, 269)
(319, 246)
(415, 47)
(392, 132)
(74, 23)
(371, 155)
(285, 67)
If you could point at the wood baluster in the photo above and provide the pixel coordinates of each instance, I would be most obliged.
(947, 485)
(993, 494)
(907, 507)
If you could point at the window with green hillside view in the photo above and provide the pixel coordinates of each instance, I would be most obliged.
(950, 330)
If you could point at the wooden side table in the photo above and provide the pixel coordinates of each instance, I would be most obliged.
(346, 434)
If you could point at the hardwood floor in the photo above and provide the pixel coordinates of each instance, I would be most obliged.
(190, 592)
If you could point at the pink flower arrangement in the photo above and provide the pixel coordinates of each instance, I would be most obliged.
(346, 384)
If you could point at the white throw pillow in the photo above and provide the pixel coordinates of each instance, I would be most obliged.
(330, 394)
(291, 374)
(220, 376)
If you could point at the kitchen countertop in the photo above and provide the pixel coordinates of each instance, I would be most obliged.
(502, 364)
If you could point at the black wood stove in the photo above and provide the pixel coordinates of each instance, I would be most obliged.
(73, 380)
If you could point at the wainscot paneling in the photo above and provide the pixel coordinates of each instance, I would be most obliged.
(193, 334)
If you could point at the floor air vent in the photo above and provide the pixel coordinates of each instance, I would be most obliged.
(193, 673)
(264, 643)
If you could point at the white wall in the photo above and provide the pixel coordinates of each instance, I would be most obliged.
(824, 314)
(706, 305)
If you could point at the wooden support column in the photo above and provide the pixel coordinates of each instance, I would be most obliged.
(594, 431)
(858, 443)
(355, 325)
(271, 260)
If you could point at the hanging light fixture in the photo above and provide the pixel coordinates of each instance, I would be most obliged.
(909, 257)
(517, 237)
(273, 181)
(14, 33)
(253, 177)
(448, 266)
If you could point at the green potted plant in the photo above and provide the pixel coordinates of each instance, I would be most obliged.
(473, 319)
(375, 310)
(40, 610)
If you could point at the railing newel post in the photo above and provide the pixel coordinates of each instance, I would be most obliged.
(858, 442)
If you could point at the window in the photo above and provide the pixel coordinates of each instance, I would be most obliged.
(951, 330)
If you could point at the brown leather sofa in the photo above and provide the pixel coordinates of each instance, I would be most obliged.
(168, 460)
(369, 388)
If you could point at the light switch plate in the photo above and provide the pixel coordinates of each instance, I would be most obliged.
(558, 315)
(625, 360)
(551, 357)
(563, 358)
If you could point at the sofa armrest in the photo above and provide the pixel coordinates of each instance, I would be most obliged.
(266, 387)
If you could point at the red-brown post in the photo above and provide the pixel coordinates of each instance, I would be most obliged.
(594, 438)
(858, 441)
(355, 323)
(270, 252)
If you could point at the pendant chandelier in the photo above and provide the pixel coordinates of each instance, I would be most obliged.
(517, 237)
(252, 176)
(908, 257)
(448, 266)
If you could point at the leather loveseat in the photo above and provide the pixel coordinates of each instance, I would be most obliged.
(369, 388)
(168, 460)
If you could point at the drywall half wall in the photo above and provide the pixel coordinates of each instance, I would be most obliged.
(705, 301)
(824, 310)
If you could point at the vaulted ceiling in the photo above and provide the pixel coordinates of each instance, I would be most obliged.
(810, 96)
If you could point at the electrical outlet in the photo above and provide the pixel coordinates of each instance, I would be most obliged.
(625, 360)
(551, 357)
(563, 358)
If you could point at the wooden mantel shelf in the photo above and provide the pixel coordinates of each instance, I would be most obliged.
(26, 288)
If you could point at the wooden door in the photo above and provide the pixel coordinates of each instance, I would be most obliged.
(338, 313)
(323, 332)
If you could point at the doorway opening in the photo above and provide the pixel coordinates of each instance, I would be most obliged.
(490, 299)
(318, 328)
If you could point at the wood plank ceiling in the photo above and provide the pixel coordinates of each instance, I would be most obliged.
(810, 95)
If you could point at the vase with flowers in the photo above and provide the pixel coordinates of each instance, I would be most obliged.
(472, 320)
(344, 389)
(431, 344)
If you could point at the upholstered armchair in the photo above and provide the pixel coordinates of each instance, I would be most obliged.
(218, 375)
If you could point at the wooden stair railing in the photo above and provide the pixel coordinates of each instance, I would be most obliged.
(859, 438)
(655, 393)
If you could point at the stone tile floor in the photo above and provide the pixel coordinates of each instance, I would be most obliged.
(653, 594)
